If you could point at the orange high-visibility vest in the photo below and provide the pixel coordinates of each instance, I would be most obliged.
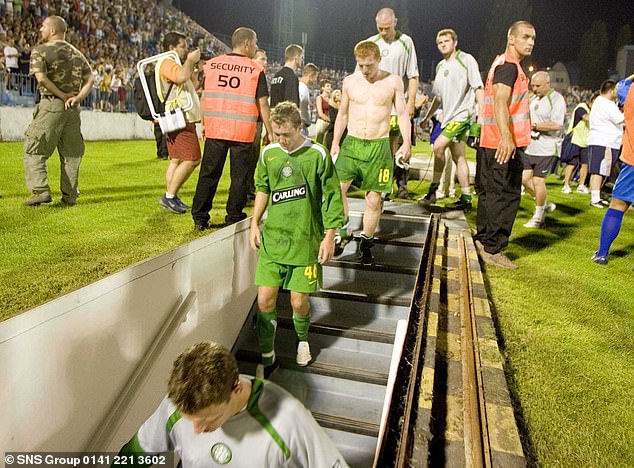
(229, 105)
(519, 109)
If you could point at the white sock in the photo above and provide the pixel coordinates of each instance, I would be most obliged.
(466, 190)
(169, 195)
(539, 212)
(595, 196)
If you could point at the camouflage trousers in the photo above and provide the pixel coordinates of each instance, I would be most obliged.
(53, 127)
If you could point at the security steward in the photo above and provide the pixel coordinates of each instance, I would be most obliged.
(64, 78)
(506, 131)
(235, 94)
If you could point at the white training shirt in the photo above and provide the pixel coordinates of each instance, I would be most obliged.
(606, 124)
(398, 57)
(455, 83)
(549, 108)
(304, 102)
(274, 430)
(10, 57)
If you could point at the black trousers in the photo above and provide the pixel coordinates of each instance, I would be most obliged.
(213, 162)
(500, 191)
(161, 142)
(257, 143)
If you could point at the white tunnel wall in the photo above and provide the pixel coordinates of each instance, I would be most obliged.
(63, 364)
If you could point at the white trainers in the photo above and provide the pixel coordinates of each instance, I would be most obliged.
(582, 189)
(303, 354)
(550, 207)
(566, 189)
(535, 223)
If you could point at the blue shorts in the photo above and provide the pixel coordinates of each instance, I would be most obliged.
(624, 187)
(596, 155)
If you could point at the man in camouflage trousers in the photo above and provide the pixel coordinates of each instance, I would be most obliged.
(64, 78)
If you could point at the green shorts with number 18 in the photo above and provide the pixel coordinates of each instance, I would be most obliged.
(368, 163)
(301, 279)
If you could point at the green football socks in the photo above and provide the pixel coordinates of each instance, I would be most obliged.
(301, 324)
(266, 324)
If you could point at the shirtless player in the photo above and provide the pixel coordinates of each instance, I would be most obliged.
(365, 156)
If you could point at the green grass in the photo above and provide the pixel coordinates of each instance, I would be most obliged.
(566, 323)
(567, 326)
(49, 250)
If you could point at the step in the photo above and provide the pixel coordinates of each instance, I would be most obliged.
(358, 450)
(350, 319)
(389, 257)
(368, 282)
(332, 355)
(336, 403)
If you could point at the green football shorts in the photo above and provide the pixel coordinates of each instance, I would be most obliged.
(368, 163)
(302, 279)
(457, 131)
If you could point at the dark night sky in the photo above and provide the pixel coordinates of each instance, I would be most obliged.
(334, 26)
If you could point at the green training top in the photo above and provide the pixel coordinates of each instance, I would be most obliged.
(304, 200)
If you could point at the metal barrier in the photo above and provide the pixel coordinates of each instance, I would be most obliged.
(17, 89)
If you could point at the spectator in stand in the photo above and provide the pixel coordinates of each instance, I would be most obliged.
(285, 84)
(105, 92)
(11, 62)
(115, 85)
(321, 104)
(604, 139)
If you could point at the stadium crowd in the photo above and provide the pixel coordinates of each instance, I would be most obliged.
(112, 35)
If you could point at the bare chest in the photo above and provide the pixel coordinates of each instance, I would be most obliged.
(373, 94)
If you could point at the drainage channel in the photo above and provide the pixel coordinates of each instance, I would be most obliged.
(354, 319)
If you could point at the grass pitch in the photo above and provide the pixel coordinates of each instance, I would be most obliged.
(566, 324)
(49, 250)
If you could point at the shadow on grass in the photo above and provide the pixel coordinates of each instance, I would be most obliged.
(623, 251)
(535, 240)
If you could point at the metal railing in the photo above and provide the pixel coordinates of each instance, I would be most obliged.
(20, 90)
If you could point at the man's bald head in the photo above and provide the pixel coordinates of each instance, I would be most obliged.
(540, 83)
(57, 24)
(386, 24)
(541, 77)
(385, 14)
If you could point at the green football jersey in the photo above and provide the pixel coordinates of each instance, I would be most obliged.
(304, 200)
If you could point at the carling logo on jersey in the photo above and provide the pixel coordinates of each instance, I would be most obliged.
(289, 194)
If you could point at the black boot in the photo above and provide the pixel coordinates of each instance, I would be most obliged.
(365, 249)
